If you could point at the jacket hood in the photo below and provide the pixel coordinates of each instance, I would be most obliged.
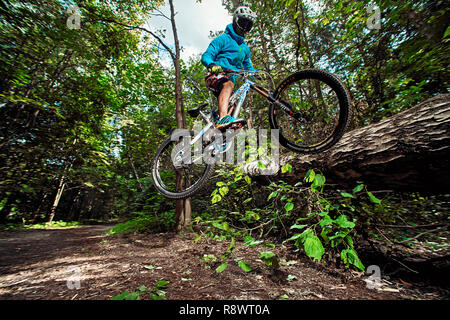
(229, 29)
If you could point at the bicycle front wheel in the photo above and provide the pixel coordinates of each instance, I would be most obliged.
(177, 173)
(317, 113)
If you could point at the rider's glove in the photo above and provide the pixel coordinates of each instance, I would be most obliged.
(214, 68)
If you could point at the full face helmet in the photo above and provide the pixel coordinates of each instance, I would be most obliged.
(243, 20)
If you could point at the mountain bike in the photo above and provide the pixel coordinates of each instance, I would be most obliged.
(310, 108)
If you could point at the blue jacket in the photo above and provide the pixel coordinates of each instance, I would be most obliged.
(228, 51)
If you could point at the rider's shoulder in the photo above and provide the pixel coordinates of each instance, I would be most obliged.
(221, 38)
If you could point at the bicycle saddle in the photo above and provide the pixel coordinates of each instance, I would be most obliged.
(195, 112)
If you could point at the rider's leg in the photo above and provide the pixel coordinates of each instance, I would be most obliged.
(224, 98)
(225, 120)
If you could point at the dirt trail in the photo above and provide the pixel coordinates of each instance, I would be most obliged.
(37, 264)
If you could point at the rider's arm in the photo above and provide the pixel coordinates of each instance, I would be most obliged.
(213, 50)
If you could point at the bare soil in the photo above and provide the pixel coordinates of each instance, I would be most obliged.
(42, 264)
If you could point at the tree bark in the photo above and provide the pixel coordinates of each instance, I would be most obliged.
(183, 212)
(409, 151)
(59, 192)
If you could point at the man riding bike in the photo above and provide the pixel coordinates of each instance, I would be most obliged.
(228, 51)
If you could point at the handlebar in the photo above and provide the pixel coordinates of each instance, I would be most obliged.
(243, 73)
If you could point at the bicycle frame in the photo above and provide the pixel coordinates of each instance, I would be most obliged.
(239, 95)
(237, 99)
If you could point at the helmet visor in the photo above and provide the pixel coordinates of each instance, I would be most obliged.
(245, 24)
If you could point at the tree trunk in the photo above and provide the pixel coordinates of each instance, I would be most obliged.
(183, 207)
(409, 151)
(61, 186)
(59, 192)
(38, 209)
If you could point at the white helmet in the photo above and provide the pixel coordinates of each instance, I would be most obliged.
(243, 20)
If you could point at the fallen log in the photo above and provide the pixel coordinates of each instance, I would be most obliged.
(409, 151)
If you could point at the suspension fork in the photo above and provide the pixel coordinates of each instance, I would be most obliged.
(281, 103)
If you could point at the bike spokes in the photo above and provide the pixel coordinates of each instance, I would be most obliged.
(179, 169)
(315, 107)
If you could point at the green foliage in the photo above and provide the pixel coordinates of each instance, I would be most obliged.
(54, 225)
(329, 228)
(145, 223)
(244, 266)
(221, 267)
(157, 293)
(270, 259)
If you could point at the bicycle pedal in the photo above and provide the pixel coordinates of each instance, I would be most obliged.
(236, 126)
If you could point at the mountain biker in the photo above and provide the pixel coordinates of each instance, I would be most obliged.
(228, 51)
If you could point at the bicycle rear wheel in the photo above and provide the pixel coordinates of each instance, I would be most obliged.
(320, 106)
(177, 171)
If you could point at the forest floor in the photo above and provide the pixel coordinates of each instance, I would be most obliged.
(43, 264)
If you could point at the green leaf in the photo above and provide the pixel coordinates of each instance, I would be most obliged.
(349, 256)
(347, 195)
(305, 234)
(298, 226)
(310, 175)
(343, 222)
(161, 284)
(244, 266)
(250, 241)
(319, 180)
(266, 255)
(325, 221)
(223, 190)
(247, 200)
(289, 3)
(289, 206)
(349, 241)
(373, 198)
(232, 245)
(3, 203)
(447, 32)
(324, 234)
(222, 226)
(216, 198)
(222, 267)
(313, 247)
(358, 188)
(142, 288)
(294, 237)
(121, 296)
(248, 179)
(269, 258)
(272, 195)
(287, 167)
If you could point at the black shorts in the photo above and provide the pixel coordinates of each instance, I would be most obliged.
(215, 82)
